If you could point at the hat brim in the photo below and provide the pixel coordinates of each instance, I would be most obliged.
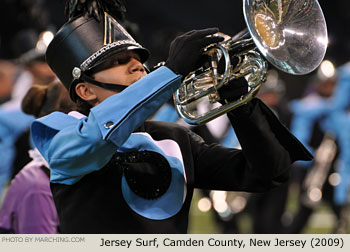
(167, 205)
(112, 52)
(97, 65)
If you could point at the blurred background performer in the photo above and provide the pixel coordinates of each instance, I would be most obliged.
(309, 124)
(23, 43)
(28, 207)
(31, 68)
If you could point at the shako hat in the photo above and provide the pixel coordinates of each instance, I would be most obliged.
(84, 43)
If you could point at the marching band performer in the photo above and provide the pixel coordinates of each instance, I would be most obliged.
(112, 171)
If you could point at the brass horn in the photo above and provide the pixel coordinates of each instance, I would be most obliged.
(289, 34)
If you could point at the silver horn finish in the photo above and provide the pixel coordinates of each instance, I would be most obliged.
(290, 34)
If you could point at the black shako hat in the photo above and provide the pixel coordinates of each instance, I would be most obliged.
(84, 43)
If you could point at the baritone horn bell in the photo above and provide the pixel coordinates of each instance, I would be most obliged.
(289, 34)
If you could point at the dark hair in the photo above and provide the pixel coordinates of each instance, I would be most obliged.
(83, 106)
(41, 100)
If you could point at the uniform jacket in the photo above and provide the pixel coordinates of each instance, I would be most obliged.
(87, 178)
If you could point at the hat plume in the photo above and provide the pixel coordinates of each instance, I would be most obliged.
(95, 8)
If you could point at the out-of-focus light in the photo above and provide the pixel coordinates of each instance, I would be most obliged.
(238, 204)
(44, 40)
(220, 206)
(218, 195)
(334, 179)
(315, 194)
(204, 204)
(226, 215)
(327, 69)
(47, 37)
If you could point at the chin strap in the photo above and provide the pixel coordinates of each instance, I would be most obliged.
(109, 86)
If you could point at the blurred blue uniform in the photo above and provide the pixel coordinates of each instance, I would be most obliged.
(314, 116)
(307, 112)
(13, 122)
(339, 122)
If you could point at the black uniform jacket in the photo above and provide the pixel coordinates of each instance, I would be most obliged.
(95, 203)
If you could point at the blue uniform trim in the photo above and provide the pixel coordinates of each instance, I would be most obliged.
(168, 204)
(74, 148)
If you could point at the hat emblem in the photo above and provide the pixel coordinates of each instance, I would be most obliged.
(110, 24)
(76, 73)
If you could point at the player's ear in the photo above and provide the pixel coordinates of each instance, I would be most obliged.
(85, 92)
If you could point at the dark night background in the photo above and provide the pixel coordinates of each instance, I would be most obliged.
(156, 22)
